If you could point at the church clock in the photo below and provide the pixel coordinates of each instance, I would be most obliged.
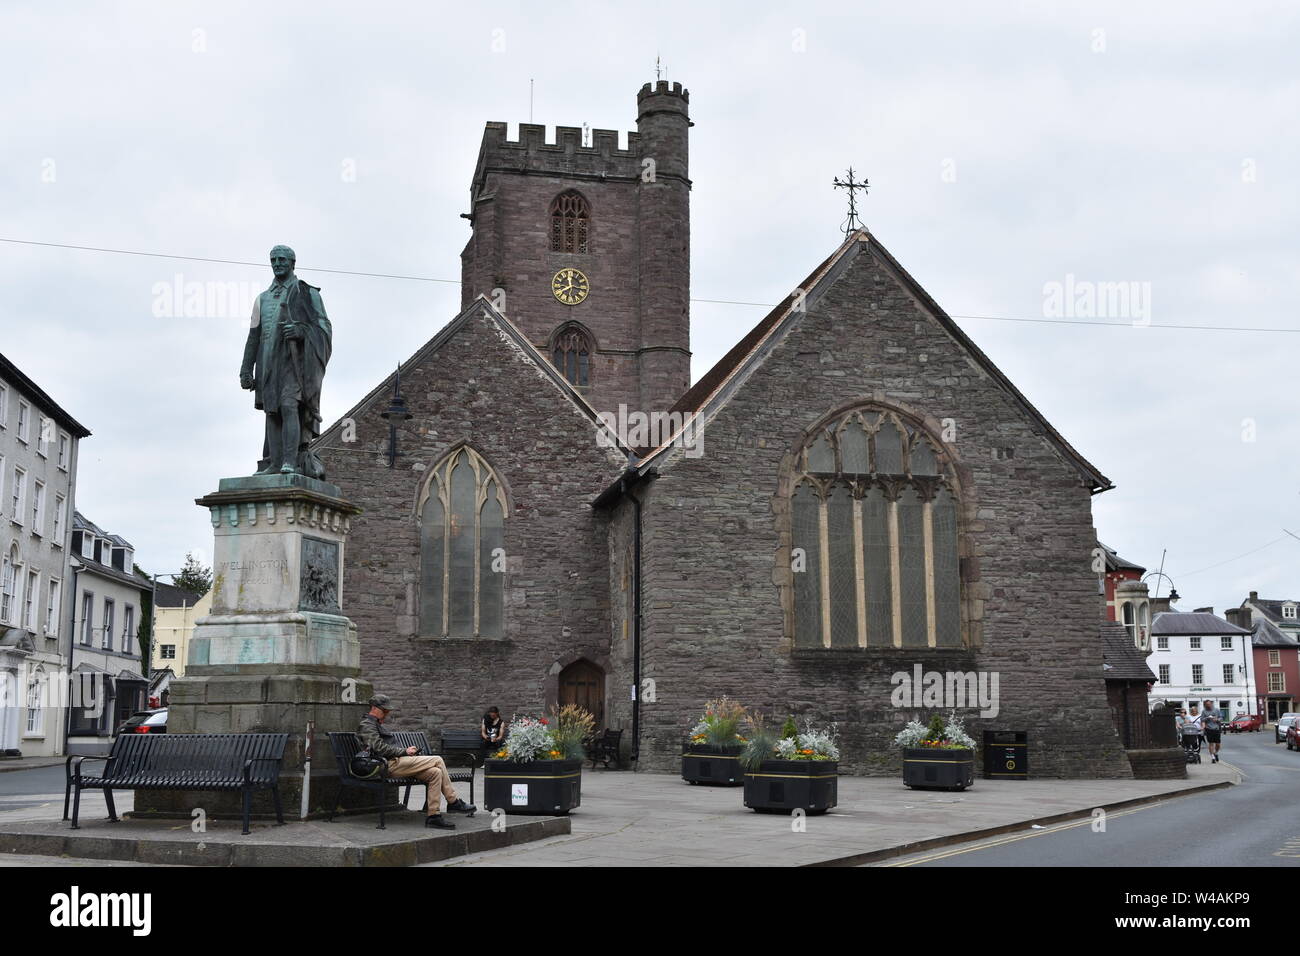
(570, 286)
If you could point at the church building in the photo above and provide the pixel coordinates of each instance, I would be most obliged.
(853, 495)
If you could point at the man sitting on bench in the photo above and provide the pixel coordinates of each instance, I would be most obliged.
(404, 763)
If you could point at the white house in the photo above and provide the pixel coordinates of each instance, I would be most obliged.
(1197, 655)
(39, 444)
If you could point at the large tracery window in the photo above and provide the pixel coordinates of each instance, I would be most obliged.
(874, 537)
(571, 353)
(462, 516)
(570, 220)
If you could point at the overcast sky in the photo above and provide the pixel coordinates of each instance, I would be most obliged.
(1007, 146)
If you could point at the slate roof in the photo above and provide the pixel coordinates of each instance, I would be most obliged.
(169, 595)
(713, 389)
(1191, 623)
(1115, 563)
(1272, 608)
(1126, 661)
(10, 373)
(1266, 634)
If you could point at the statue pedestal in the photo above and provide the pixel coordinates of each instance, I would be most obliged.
(277, 653)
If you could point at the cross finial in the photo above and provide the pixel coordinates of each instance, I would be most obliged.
(853, 222)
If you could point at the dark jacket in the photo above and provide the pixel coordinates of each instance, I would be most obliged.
(377, 738)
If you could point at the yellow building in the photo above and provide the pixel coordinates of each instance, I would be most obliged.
(175, 615)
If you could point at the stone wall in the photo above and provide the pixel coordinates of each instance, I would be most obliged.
(714, 554)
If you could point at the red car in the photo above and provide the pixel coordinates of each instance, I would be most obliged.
(1293, 737)
(1244, 722)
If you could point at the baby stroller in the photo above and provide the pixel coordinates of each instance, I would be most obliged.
(1192, 746)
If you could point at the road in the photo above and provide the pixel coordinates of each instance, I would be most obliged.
(1251, 824)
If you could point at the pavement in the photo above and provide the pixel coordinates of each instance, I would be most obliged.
(30, 763)
(626, 819)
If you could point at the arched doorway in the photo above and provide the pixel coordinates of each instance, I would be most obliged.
(583, 683)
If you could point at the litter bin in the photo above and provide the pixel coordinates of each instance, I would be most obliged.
(1006, 755)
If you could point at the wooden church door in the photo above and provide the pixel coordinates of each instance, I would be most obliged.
(583, 683)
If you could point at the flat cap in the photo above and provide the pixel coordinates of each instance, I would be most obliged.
(383, 702)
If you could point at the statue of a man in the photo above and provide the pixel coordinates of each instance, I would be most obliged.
(284, 362)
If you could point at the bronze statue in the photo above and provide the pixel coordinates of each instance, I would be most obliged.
(284, 362)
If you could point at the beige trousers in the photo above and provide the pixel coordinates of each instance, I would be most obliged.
(431, 770)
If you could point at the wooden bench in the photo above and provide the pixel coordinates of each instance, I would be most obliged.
(604, 748)
(347, 745)
(222, 762)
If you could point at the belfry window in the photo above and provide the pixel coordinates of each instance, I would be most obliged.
(571, 353)
(874, 537)
(462, 516)
(570, 220)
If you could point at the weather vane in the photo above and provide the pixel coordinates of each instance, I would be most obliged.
(853, 222)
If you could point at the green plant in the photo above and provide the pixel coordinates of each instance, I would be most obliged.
(789, 731)
(570, 726)
(947, 734)
(721, 723)
(760, 742)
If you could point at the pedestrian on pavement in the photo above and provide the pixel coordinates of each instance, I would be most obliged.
(1212, 722)
(1192, 726)
(404, 763)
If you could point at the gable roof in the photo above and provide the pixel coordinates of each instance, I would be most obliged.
(170, 596)
(12, 374)
(1266, 634)
(712, 391)
(1123, 660)
(1272, 608)
(1115, 563)
(482, 305)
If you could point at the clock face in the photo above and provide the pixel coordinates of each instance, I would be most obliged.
(570, 286)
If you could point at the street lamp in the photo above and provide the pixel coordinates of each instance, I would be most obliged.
(1173, 591)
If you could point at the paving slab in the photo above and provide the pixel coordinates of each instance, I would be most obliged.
(643, 819)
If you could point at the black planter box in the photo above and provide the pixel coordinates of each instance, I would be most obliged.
(779, 786)
(934, 768)
(709, 763)
(552, 787)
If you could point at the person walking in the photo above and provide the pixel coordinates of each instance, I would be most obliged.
(1212, 724)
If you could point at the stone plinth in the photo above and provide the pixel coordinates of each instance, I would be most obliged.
(277, 653)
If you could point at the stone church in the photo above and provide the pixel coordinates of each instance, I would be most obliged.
(854, 492)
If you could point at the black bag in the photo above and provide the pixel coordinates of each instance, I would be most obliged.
(367, 767)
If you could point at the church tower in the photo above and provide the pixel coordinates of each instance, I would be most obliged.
(586, 248)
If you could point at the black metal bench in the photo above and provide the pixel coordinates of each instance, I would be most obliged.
(347, 745)
(224, 762)
(464, 743)
(604, 749)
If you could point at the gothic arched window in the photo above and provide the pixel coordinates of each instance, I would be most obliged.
(462, 516)
(571, 353)
(874, 537)
(570, 220)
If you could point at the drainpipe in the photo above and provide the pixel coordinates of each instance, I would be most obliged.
(72, 644)
(636, 629)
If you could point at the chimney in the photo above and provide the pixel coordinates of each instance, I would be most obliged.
(1254, 595)
(1159, 605)
(1238, 616)
(1204, 610)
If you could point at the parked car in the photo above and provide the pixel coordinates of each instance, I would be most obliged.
(1293, 736)
(1283, 722)
(145, 722)
(1244, 722)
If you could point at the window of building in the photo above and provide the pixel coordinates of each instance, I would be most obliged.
(1164, 673)
(53, 608)
(108, 624)
(169, 652)
(4, 502)
(1225, 643)
(128, 628)
(4, 405)
(35, 711)
(1277, 683)
(87, 617)
(1162, 643)
(60, 513)
(8, 586)
(46, 429)
(87, 546)
(31, 595)
(874, 538)
(38, 507)
(571, 353)
(1288, 611)
(63, 451)
(1228, 673)
(24, 413)
(1194, 643)
(570, 222)
(1198, 673)
(18, 495)
(1274, 658)
(462, 516)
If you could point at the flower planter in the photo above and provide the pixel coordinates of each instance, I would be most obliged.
(551, 787)
(779, 786)
(709, 763)
(937, 768)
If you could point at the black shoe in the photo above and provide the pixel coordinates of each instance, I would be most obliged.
(437, 821)
(460, 806)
